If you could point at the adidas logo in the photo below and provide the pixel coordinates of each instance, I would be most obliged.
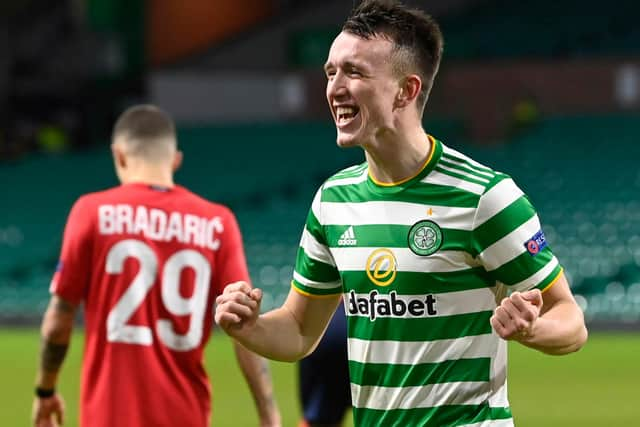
(348, 238)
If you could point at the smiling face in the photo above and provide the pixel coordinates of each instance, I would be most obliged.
(361, 88)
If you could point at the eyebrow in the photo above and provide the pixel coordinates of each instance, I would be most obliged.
(346, 65)
(352, 65)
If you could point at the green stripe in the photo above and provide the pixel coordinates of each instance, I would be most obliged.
(461, 176)
(420, 329)
(417, 283)
(550, 278)
(481, 177)
(522, 266)
(385, 375)
(395, 236)
(449, 415)
(420, 192)
(315, 270)
(503, 223)
(317, 291)
(315, 229)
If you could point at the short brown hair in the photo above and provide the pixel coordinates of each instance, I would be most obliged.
(416, 36)
(147, 130)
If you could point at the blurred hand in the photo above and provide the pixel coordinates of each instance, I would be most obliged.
(48, 411)
(517, 314)
(238, 307)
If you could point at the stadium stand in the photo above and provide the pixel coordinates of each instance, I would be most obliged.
(581, 173)
(507, 30)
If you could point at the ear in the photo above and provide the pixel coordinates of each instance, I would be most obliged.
(177, 160)
(119, 157)
(409, 90)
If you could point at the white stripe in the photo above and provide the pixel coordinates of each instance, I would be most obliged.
(402, 213)
(462, 157)
(486, 173)
(417, 352)
(317, 285)
(465, 167)
(496, 199)
(352, 259)
(536, 278)
(350, 170)
(347, 181)
(314, 249)
(508, 422)
(440, 178)
(510, 246)
(499, 397)
(464, 173)
(388, 398)
(447, 304)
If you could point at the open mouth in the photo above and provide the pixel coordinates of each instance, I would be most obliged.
(346, 114)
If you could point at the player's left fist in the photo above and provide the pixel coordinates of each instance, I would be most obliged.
(516, 315)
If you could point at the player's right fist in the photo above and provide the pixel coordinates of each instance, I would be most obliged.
(237, 307)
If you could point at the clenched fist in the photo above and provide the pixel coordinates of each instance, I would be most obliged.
(237, 307)
(516, 315)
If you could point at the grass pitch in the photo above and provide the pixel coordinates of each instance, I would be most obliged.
(595, 387)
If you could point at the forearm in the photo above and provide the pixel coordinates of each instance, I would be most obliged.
(51, 358)
(256, 372)
(560, 330)
(287, 333)
(277, 335)
(56, 329)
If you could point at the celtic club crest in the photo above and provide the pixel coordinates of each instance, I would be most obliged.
(425, 237)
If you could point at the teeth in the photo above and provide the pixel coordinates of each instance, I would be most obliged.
(341, 111)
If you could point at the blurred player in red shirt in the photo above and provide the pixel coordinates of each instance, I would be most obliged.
(147, 258)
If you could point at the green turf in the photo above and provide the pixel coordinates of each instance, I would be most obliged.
(596, 387)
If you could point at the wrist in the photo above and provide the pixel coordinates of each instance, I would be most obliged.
(44, 393)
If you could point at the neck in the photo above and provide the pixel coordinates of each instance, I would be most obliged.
(398, 156)
(149, 175)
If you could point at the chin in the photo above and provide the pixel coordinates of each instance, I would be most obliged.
(344, 141)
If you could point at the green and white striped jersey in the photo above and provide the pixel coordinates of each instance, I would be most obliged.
(422, 264)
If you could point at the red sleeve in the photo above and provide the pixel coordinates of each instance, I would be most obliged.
(230, 260)
(74, 266)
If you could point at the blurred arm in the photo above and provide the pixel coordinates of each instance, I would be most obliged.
(256, 372)
(56, 329)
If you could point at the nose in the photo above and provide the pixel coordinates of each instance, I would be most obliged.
(336, 86)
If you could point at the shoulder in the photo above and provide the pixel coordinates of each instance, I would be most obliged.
(207, 206)
(95, 198)
(476, 177)
(347, 176)
(84, 210)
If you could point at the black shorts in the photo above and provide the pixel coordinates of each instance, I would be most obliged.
(324, 386)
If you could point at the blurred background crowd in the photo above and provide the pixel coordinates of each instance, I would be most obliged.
(546, 91)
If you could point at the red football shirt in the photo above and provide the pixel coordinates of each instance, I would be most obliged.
(147, 262)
